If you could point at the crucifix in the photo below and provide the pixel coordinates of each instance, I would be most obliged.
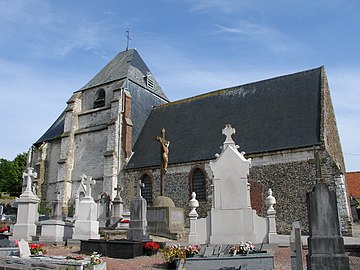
(127, 35)
(164, 149)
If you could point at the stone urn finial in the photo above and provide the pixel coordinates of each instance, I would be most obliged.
(270, 201)
(194, 203)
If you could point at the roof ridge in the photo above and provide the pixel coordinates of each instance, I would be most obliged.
(220, 91)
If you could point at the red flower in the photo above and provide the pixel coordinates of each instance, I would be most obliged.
(151, 246)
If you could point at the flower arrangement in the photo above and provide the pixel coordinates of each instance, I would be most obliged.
(243, 248)
(95, 258)
(192, 250)
(151, 246)
(76, 258)
(37, 249)
(4, 230)
(174, 252)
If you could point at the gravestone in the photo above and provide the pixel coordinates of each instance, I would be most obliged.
(24, 249)
(326, 245)
(86, 225)
(117, 208)
(55, 230)
(25, 227)
(138, 223)
(1, 211)
(104, 210)
(296, 247)
(231, 218)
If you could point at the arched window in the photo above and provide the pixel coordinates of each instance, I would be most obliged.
(146, 191)
(100, 99)
(198, 184)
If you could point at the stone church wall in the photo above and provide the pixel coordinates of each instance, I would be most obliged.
(290, 174)
(90, 149)
(93, 118)
(177, 186)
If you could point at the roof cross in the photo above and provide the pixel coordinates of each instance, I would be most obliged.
(127, 35)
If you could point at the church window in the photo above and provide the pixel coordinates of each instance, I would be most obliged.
(100, 99)
(198, 184)
(146, 191)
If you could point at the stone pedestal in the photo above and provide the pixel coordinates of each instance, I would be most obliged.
(86, 225)
(116, 211)
(164, 219)
(138, 223)
(326, 245)
(55, 231)
(25, 227)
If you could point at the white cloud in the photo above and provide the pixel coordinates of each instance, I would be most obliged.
(218, 5)
(262, 34)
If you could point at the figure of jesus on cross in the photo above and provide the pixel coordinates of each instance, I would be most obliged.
(165, 158)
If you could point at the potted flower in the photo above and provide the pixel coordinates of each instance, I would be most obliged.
(95, 262)
(243, 248)
(192, 250)
(173, 254)
(151, 248)
(37, 249)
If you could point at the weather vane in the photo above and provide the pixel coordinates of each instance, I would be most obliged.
(127, 35)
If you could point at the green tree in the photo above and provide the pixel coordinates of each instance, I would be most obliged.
(11, 174)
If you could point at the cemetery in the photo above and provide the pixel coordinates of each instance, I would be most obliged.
(232, 236)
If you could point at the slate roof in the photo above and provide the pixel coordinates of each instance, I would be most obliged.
(274, 114)
(127, 64)
(56, 129)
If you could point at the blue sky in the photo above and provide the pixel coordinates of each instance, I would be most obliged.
(49, 49)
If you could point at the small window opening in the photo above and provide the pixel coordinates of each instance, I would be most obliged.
(100, 99)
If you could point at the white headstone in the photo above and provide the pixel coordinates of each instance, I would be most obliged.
(24, 249)
(231, 219)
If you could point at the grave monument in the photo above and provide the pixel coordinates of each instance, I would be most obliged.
(138, 224)
(86, 224)
(117, 208)
(326, 245)
(25, 227)
(231, 218)
(55, 230)
(163, 217)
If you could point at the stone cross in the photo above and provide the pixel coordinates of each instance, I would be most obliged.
(317, 161)
(138, 188)
(165, 158)
(228, 131)
(118, 190)
(28, 175)
(88, 181)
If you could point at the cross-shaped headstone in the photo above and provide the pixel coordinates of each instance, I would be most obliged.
(164, 149)
(317, 161)
(118, 190)
(88, 181)
(138, 188)
(28, 175)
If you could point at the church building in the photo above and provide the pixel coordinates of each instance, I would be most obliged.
(109, 128)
